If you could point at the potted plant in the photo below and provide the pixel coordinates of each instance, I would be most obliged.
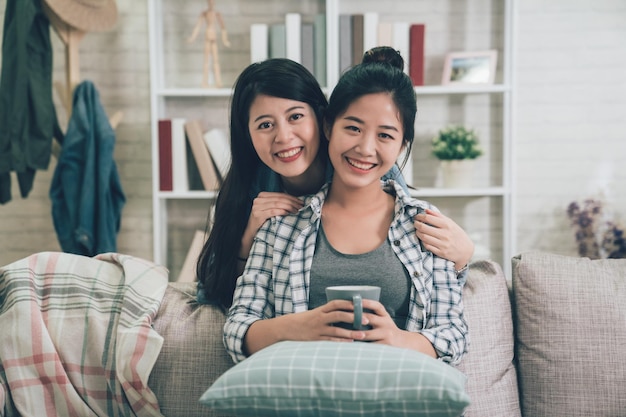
(456, 147)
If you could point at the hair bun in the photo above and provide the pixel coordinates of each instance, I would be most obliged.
(384, 55)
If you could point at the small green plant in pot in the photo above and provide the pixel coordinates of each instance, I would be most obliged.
(456, 147)
(456, 142)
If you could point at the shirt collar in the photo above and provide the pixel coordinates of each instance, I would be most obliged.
(404, 202)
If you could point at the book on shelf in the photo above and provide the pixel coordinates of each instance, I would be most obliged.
(208, 173)
(345, 42)
(319, 34)
(400, 41)
(385, 34)
(188, 270)
(259, 46)
(277, 41)
(165, 155)
(370, 31)
(180, 180)
(357, 38)
(293, 24)
(218, 143)
(193, 172)
(416, 53)
(307, 43)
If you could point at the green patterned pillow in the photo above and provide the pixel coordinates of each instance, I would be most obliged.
(327, 379)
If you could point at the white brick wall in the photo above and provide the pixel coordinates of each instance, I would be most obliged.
(569, 125)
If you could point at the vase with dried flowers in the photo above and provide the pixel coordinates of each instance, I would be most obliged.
(456, 147)
(598, 236)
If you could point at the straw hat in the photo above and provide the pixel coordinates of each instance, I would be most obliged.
(86, 15)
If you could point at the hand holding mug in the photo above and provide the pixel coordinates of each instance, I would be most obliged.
(356, 294)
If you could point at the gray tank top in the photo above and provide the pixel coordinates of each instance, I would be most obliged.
(379, 267)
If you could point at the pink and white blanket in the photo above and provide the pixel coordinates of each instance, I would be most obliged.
(76, 335)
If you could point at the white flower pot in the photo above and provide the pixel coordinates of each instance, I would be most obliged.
(457, 173)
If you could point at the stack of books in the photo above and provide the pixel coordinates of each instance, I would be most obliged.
(304, 41)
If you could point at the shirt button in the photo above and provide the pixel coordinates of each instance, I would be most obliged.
(396, 242)
(416, 274)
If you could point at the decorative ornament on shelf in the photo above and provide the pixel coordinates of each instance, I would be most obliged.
(598, 234)
(213, 21)
(456, 147)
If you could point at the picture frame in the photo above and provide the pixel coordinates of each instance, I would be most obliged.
(470, 67)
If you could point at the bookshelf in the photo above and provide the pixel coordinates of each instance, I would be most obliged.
(484, 210)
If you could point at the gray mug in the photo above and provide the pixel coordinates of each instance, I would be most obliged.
(356, 294)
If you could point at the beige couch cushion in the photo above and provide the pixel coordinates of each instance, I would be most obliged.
(492, 379)
(193, 355)
(571, 332)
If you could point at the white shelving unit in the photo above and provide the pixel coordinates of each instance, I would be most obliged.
(495, 191)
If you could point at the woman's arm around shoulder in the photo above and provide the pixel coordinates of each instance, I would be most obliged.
(444, 237)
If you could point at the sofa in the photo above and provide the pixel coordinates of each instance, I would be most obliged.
(549, 341)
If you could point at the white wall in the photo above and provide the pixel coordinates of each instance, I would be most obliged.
(571, 114)
(569, 124)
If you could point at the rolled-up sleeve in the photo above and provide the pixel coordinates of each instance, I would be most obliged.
(446, 327)
(254, 296)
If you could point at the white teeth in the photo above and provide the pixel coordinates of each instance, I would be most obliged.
(360, 165)
(289, 154)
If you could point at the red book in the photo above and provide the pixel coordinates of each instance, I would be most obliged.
(416, 53)
(165, 156)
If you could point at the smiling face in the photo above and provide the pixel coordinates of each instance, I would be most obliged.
(365, 140)
(285, 135)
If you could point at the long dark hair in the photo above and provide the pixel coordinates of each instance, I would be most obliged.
(217, 264)
(379, 72)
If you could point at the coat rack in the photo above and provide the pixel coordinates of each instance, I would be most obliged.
(71, 37)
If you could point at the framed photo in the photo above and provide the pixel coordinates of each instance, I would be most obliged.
(470, 67)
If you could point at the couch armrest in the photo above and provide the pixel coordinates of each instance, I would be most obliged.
(193, 354)
(489, 367)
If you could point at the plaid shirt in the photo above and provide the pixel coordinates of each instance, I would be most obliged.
(276, 278)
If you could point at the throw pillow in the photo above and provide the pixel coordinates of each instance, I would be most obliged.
(327, 379)
(489, 366)
(571, 331)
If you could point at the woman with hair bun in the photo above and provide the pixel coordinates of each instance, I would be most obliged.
(278, 154)
(353, 232)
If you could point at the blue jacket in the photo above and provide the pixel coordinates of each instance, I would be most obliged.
(86, 193)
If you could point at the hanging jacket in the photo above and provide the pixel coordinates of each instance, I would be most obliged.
(27, 116)
(86, 192)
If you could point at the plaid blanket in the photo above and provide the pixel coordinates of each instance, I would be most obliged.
(76, 336)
